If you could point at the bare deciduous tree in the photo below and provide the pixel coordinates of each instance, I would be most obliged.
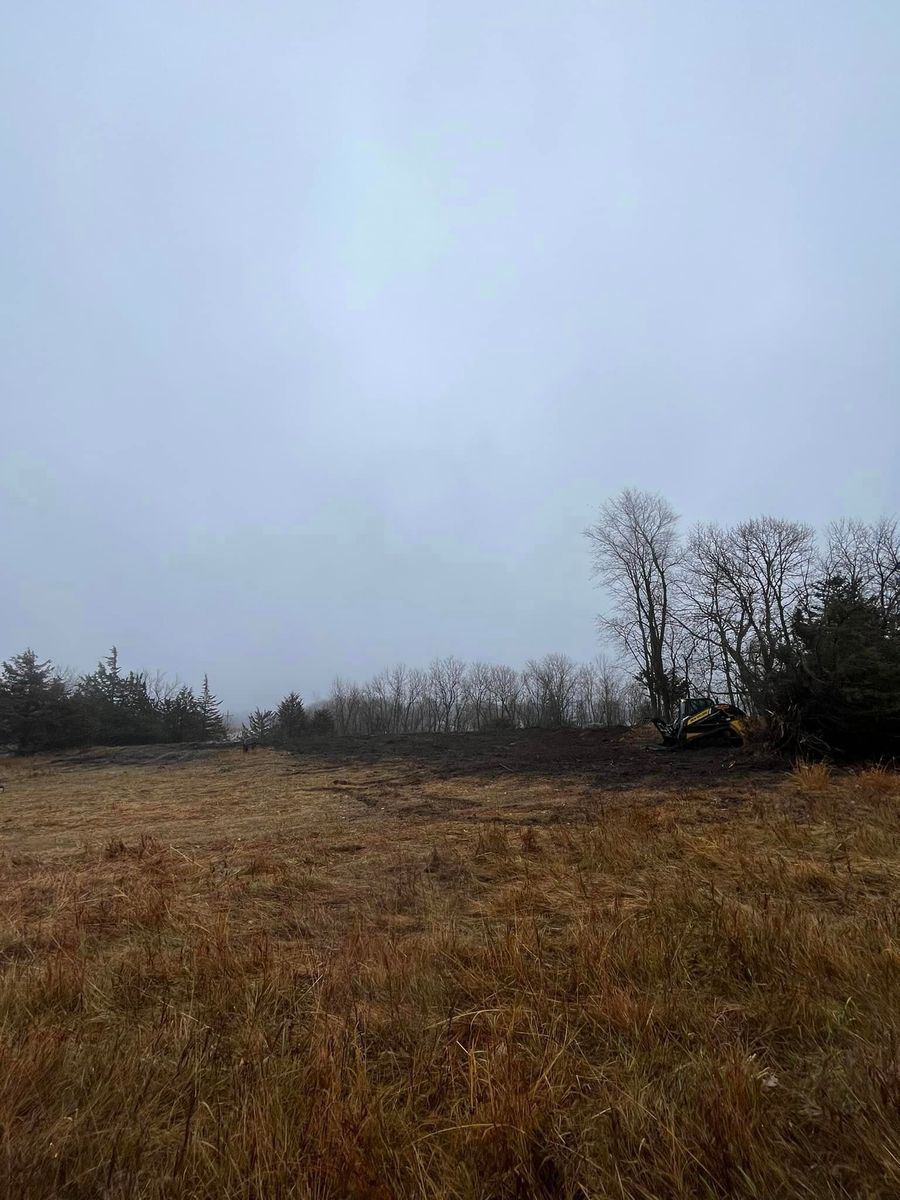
(549, 685)
(868, 557)
(476, 686)
(599, 694)
(737, 593)
(445, 678)
(505, 691)
(636, 555)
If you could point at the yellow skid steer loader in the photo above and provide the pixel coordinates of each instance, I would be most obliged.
(701, 719)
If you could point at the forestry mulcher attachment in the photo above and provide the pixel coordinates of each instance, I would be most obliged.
(703, 720)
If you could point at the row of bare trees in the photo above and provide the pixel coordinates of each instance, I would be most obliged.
(711, 611)
(451, 696)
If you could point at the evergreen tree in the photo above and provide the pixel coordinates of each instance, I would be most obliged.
(117, 709)
(290, 719)
(260, 726)
(36, 712)
(181, 717)
(109, 677)
(839, 685)
(211, 714)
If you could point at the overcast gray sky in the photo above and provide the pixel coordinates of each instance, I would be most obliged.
(326, 327)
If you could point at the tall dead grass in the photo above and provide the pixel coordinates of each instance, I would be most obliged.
(812, 776)
(645, 1004)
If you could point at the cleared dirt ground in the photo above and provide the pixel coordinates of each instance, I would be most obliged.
(515, 964)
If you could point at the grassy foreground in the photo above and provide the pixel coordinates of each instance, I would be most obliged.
(263, 989)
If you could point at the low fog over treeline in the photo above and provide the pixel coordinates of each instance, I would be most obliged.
(799, 628)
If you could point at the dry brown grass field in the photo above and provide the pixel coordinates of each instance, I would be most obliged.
(505, 965)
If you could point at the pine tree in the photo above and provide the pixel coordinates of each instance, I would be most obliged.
(35, 708)
(839, 686)
(260, 726)
(290, 719)
(118, 709)
(211, 714)
(107, 679)
(181, 716)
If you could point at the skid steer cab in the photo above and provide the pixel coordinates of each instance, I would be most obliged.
(701, 719)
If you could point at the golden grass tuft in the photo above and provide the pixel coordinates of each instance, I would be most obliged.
(293, 994)
(878, 780)
(811, 777)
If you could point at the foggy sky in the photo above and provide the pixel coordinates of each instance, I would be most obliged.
(326, 327)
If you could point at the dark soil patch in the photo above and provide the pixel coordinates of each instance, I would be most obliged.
(610, 759)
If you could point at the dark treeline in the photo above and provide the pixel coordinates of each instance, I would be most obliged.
(43, 708)
(803, 631)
